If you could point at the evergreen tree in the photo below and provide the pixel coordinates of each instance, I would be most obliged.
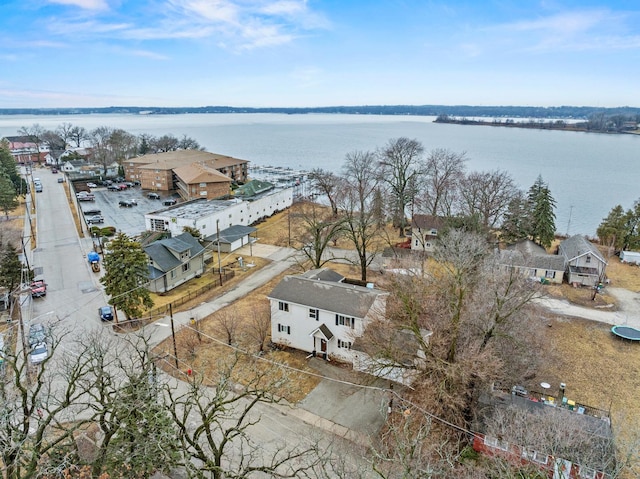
(541, 217)
(613, 229)
(126, 274)
(514, 225)
(10, 267)
(8, 196)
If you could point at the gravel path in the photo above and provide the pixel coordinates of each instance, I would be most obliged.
(628, 313)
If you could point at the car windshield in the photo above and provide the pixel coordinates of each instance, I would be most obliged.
(40, 349)
(106, 310)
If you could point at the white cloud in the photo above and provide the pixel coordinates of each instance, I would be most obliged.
(84, 4)
(148, 54)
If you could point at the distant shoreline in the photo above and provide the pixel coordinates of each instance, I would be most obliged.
(535, 125)
(575, 113)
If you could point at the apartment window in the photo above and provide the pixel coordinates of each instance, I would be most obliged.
(314, 314)
(345, 321)
(284, 329)
(344, 344)
(282, 306)
(496, 443)
(535, 456)
(586, 473)
(203, 185)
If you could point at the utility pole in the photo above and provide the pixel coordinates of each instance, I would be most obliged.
(173, 335)
(218, 241)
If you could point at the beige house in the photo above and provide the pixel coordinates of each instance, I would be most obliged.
(424, 232)
(157, 171)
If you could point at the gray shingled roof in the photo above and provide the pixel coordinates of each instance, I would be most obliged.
(324, 274)
(160, 251)
(578, 245)
(550, 262)
(232, 233)
(346, 299)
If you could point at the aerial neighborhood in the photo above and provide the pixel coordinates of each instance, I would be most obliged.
(403, 297)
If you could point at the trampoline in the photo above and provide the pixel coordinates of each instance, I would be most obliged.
(626, 332)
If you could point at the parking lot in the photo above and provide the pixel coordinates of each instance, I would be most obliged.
(128, 219)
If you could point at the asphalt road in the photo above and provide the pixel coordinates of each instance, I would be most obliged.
(74, 295)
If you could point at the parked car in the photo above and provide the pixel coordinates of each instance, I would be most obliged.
(127, 203)
(39, 352)
(106, 313)
(91, 212)
(153, 196)
(38, 187)
(130, 184)
(95, 219)
(170, 202)
(92, 185)
(54, 170)
(107, 182)
(37, 334)
(113, 187)
(122, 186)
(61, 180)
(38, 288)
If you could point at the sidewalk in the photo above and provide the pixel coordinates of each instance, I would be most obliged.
(282, 259)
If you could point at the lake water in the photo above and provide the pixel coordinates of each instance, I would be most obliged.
(588, 173)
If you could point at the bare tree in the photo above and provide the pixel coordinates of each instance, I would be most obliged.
(443, 170)
(361, 224)
(188, 143)
(400, 160)
(124, 145)
(222, 444)
(100, 139)
(329, 184)
(486, 194)
(319, 229)
(34, 134)
(228, 324)
(56, 144)
(258, 328)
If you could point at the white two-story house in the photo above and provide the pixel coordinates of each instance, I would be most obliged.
(319, 313)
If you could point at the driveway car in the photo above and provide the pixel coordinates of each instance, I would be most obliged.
(37, 334)
(170, 202)
(127, 203)
(38, 288)
(92, 185)
(39, 353)
(95, 219)
(106, 313)
(153, 196)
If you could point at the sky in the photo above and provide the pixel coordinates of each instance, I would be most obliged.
(296, 53)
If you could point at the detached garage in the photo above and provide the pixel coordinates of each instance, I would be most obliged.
(233, 238)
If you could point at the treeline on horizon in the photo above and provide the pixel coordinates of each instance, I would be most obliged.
(577, 112)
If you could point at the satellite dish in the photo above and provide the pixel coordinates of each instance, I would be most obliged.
(545, 385)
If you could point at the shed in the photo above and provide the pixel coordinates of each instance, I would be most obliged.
(632, 257)
(233, 237)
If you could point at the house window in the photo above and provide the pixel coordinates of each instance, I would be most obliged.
(173, 273)
(282, 306)
(314, 314)
(345, 321)
(549, 274)
(284, 329)
(588, 260)
(344, 344)
(186, 267)
(203, 185)
(417, 243)
(535, 456)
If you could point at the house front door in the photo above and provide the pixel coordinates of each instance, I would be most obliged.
(323, 345)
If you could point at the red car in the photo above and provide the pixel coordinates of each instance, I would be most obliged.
(38, 288)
